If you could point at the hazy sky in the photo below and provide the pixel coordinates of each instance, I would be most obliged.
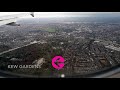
(65, 14)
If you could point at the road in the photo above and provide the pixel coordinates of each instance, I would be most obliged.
(113, 47)
(114, 73)
(4, 74)
(18, 47)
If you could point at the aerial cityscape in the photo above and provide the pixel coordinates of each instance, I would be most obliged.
(87, 45)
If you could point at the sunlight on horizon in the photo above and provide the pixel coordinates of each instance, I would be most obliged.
(51, 14)
(61, 14)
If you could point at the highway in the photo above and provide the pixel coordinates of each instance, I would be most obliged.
(4, 74)
(112, 73)
(17, 48)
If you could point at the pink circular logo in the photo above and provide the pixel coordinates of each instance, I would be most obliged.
(58, 62)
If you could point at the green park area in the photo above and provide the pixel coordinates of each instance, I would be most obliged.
(50, 29)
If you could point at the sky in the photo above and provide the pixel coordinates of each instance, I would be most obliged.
(64, 14)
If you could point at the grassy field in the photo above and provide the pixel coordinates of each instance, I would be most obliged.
(50, 29)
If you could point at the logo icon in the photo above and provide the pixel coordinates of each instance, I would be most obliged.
(58, 62)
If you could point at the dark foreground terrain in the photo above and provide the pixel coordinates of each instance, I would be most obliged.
(86, 47)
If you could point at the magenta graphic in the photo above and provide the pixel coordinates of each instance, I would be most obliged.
(58, 62)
